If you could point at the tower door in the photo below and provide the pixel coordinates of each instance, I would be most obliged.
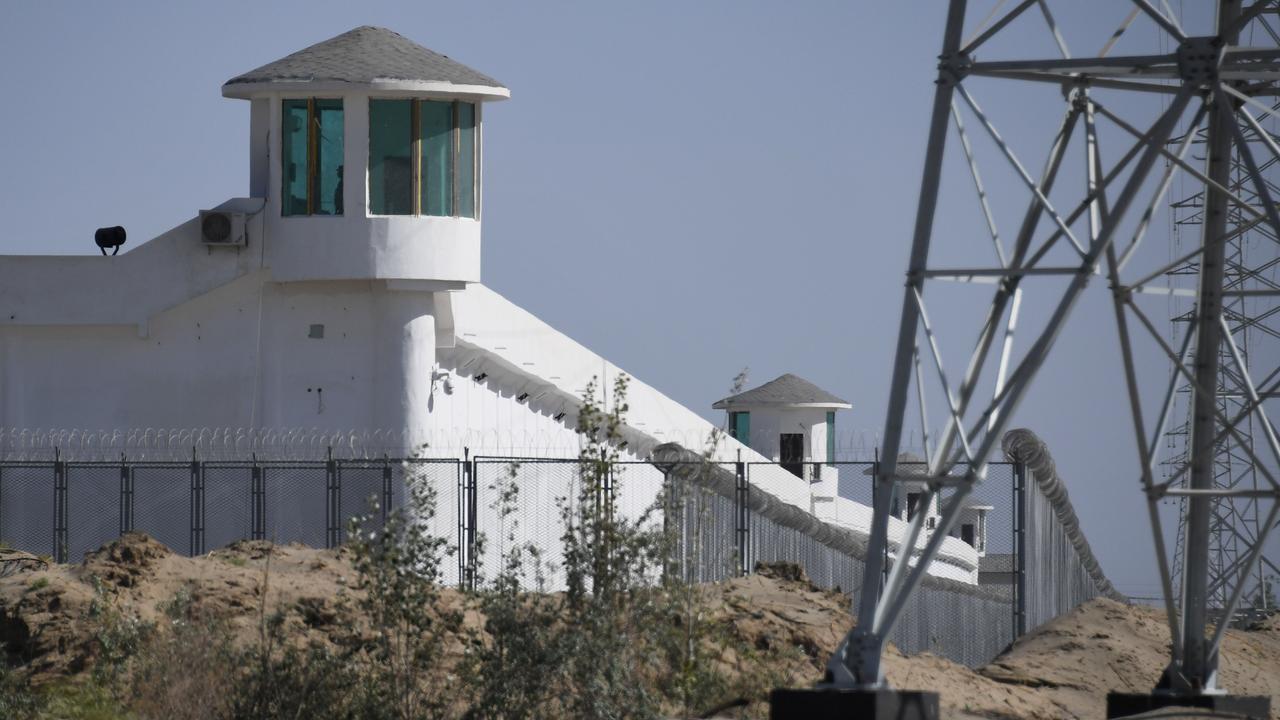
(791, 452)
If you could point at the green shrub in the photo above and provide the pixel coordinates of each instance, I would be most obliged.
(398, 569)
(516, 675)
(281, 681)
(17, 699)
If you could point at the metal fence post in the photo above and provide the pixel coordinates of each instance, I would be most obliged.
(463, 472)
(59, 508)
(332, 502)
(1019, 550)
(258, 502)
(467, 522)
(668, 507)
(196, 523)
(741, 515)
(386, 488)
(126, 496)
(875, 481)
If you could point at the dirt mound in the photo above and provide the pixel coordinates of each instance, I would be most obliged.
(44, 615)
(1271, 624)
(784, 571)
(1105, 645)
(1062, 670)
(13, 562)
(126, 560)
(769, 612)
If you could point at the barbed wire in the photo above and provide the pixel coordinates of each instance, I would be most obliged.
(300, 443)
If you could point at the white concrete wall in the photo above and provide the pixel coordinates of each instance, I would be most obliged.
(768, 423)
(239, 356)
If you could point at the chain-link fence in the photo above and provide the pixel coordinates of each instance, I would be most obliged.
(1057, 569)
(721, 520)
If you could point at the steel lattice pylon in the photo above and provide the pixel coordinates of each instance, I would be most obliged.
(1069, 232)
(1236, 521)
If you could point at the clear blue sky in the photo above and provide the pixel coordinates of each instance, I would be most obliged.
(686, 188)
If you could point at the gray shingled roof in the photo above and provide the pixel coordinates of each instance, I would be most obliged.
(785, 390)
(362, 56)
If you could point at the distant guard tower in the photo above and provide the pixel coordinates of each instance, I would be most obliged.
(788, 419)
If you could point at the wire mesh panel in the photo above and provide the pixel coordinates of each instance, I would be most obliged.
(718, 515)
(362, 490)
(825, 566)
(1056, 579)
(545, 489)
(26, 506)
(856, 481)
(442, 476)
(296, 502)
(707, 531)
(228, 503)
(637, 491)
(161, 503)
(985, 522)
(995, 493)
(961, 624)
(93, 507)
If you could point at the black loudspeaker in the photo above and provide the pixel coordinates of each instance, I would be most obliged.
(109, 237)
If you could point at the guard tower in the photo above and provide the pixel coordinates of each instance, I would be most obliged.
(913, 498)
(789, 420)
(319, 301)
(366, 149)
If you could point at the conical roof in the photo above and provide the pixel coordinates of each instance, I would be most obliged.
(786, 390)
(366, 56)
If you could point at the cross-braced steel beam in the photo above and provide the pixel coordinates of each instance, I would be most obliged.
(1250, 329)
(1199, 90)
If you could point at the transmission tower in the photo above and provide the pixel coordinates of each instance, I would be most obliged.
(1236, 521)
(1119, 105)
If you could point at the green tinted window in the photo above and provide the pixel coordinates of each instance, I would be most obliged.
(436, 119)
(740, 427)
(831, 437)
(311, 157)
(293, 151)
(390, 157)
(326, 196)
(466, 160)
(423, 158)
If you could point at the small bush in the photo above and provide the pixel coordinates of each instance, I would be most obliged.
(184, 669)
(516, 674)
(17, 699)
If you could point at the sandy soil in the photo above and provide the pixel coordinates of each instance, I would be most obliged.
(1062, 670)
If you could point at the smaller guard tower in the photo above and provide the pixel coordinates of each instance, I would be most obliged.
(788, 419)
(970, 527)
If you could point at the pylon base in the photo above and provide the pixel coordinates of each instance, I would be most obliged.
(1121, 705)
(837, 704)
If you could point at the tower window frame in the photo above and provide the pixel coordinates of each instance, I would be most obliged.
(313, 156)
(462, 199)
(740, 426)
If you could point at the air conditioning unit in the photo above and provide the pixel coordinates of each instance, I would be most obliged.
(223, 227)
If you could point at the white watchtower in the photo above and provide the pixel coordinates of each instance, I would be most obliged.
(320, 301)
(366, 148)
(788, 419)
